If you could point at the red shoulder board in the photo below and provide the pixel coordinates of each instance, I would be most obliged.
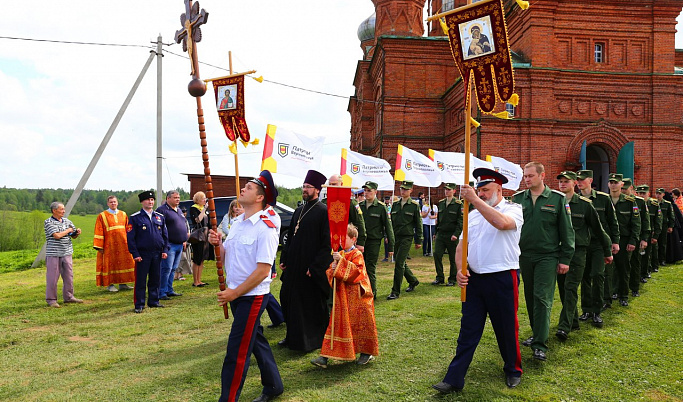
(267, 221)
(271, 212)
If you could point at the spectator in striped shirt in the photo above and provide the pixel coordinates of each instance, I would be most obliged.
(58, 234)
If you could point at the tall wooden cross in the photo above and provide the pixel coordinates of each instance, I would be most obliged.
(190, 34)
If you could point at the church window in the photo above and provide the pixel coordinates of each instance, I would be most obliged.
(599, 52)
(511, 109)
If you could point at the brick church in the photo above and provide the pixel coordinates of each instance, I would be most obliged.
(605, 72)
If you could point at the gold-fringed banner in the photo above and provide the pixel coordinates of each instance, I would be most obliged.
(479, 43)
(229, 92)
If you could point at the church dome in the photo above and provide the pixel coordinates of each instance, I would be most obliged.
(366, 30)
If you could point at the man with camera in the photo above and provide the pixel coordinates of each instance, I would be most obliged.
(58, 234)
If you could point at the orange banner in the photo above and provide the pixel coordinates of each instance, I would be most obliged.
(338, 204)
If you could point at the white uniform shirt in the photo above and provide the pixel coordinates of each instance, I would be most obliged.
(250, 242)
(492, 250)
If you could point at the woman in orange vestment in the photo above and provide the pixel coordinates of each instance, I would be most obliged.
(352, 326)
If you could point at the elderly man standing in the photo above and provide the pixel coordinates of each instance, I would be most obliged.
(58, 234)
(148, 243)
(304, 261)
(492, 279)
(547, 244)
(177, 238)
(114, 263)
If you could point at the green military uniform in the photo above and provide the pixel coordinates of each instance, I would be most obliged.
(628, 216)
(593, 283)
(586, 225)
(407, 224)
(448, 224)
(636, 256)
(668, 220)
(650, 258)
(356, 218)
(377, 224)
(547, 239)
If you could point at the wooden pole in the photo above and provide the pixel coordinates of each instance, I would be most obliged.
(466, 205)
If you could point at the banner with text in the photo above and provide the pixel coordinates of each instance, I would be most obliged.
(451, 165)
(415, 167)
(357, 168)
(512, 171)
(290, 153)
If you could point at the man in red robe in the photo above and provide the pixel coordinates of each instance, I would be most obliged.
(115, 264)
(352, 326)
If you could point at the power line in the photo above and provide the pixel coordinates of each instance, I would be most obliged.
(75, 42)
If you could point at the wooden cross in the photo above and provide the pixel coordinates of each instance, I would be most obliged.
(191, 33)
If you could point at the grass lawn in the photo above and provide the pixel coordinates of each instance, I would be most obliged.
(100, 350)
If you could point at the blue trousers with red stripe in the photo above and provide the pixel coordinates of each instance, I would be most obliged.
(495, 294)
(246, 337)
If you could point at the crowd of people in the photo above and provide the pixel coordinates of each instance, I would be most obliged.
(605, 244)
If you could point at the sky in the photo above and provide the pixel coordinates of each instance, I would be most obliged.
(59, 100)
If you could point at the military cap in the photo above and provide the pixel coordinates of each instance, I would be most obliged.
(616, 177)
(627, 182)
(567, 175)
(584, 174)
(265, 181)
(407, 185)
(359, 191)
(661, 190)
(485, 176)
(450, 186)
(643, 188)
(370, 184)
(145, 195)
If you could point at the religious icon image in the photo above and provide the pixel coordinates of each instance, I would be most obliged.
(227, 99)
(476, 36)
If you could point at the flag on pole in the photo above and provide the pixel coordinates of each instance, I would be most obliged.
(229, 95)
(415, 167)
(512, 171)
(290, 153)
(451, 165)
(357, 168)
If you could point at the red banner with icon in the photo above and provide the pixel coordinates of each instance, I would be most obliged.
(229, 93)
(338, 204)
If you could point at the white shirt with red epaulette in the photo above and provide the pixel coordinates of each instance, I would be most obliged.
(250, 242)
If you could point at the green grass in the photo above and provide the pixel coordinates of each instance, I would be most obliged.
(101, 350)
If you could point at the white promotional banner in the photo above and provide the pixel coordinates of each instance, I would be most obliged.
(512, 171)
(452, 165)
(290, 153)
(357, 168)
(415, 167)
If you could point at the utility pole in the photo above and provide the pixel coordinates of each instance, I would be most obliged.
(160, 195)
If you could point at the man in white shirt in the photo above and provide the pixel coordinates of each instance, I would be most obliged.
(492, 279)
(249, 252)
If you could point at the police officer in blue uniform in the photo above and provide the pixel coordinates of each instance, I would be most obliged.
(148, 243)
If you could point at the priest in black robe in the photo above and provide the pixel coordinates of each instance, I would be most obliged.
(305, 257)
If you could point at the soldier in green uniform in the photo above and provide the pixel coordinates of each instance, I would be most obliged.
(448, 229)
(586, 224)
(668, 220)
(406, 221)
(593, 283)
(547, 246)
(651, 251)
(636, 257)
(377, 225)
(355, 213)
(628, 215)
